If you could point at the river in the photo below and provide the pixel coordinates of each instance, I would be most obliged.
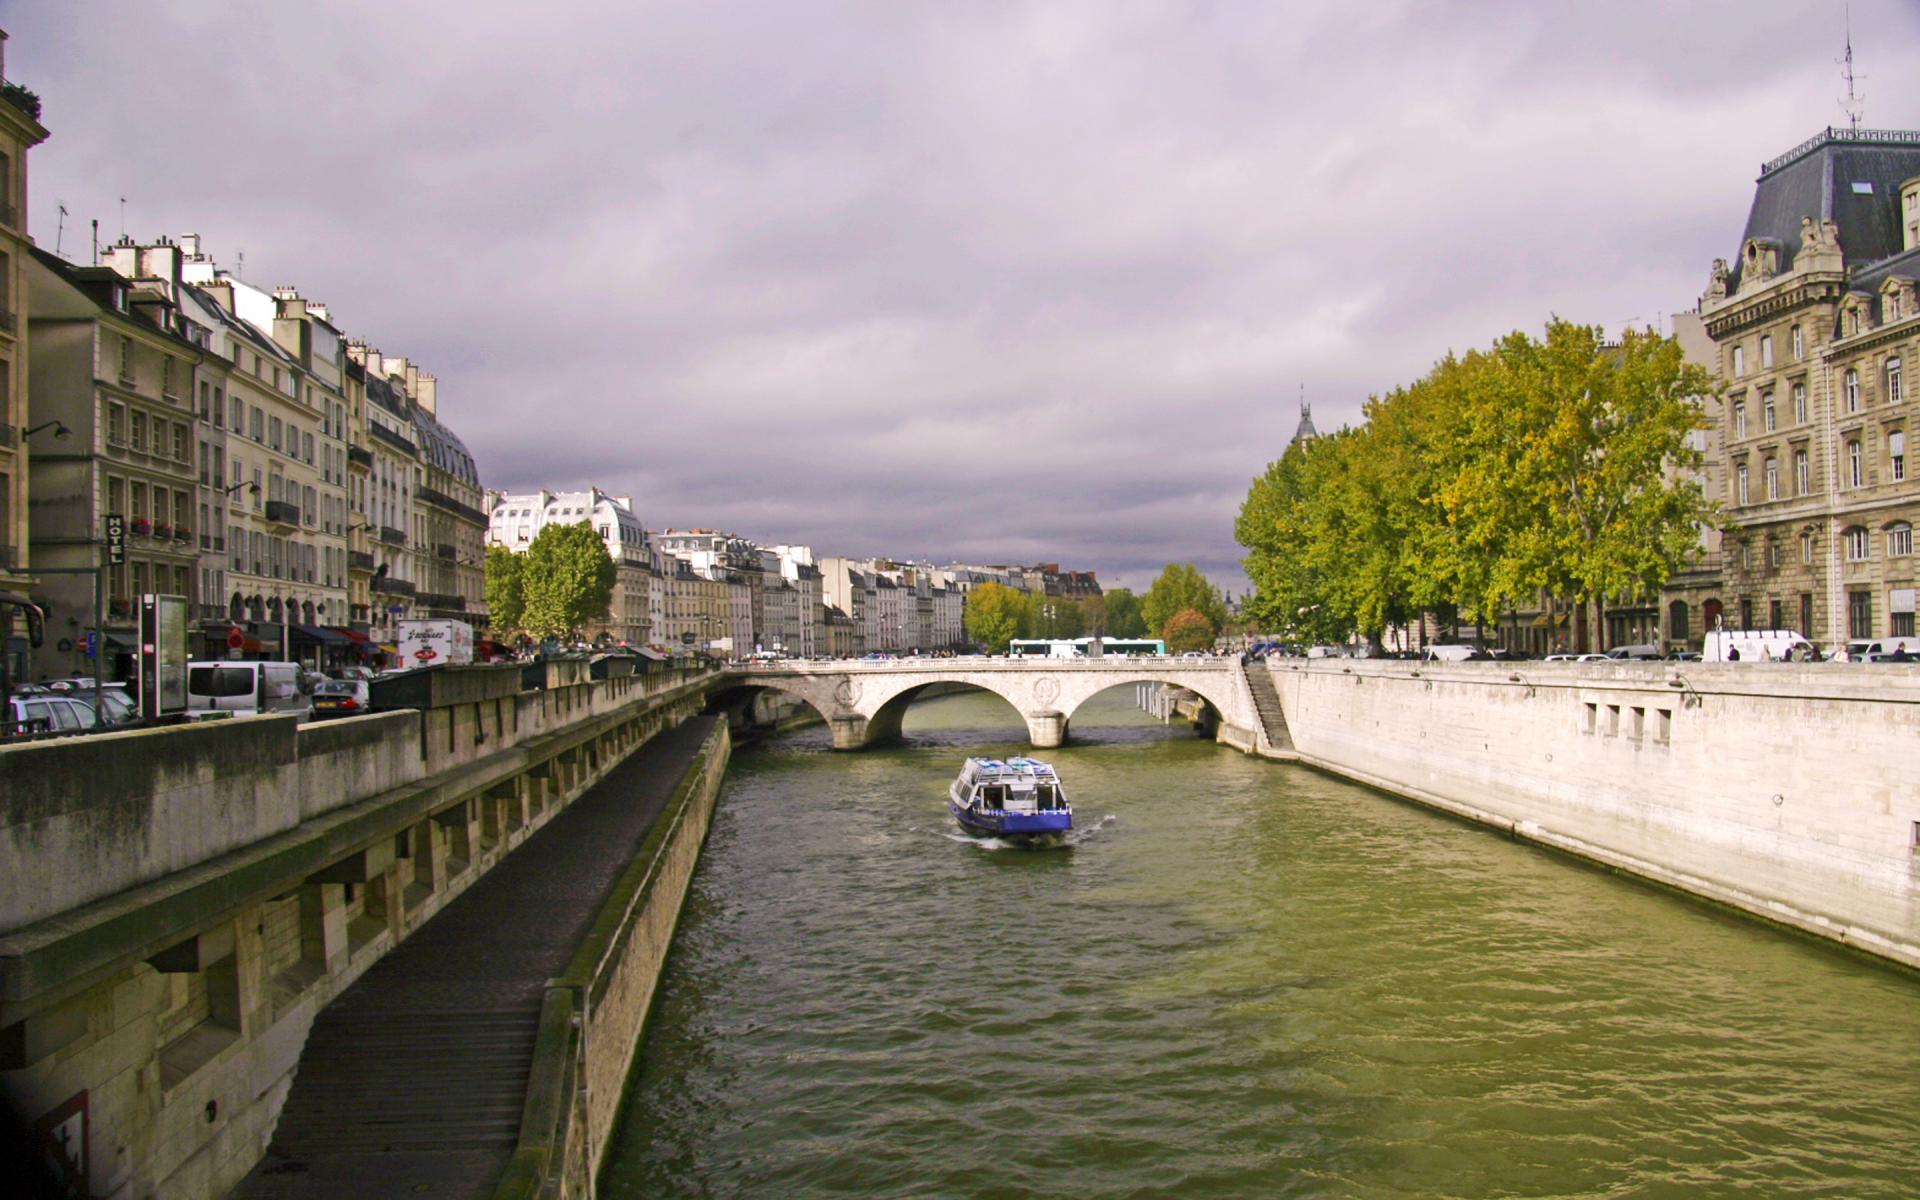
(1243, 979)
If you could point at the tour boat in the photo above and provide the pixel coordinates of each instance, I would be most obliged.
(1020, 798)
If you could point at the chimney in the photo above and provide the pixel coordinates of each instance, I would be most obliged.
(423, 393)
(190, 245)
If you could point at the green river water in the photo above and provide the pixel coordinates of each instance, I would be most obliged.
(1241, 979)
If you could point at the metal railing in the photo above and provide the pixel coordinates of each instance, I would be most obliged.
(281, 512)
(392, 536)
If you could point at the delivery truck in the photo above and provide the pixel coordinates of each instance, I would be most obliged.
(430, 643)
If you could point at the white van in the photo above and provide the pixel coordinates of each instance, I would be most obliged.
(1875, 649)
(1447, 653)
(1757, 645)
(247, 689)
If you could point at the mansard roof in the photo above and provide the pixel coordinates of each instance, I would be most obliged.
(1849, 177)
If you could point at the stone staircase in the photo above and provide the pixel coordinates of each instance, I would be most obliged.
(1266, 701)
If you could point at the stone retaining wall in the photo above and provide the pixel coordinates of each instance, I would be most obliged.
(1791, 792)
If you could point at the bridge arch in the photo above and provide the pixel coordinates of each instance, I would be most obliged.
(738, 701)
(885, 723)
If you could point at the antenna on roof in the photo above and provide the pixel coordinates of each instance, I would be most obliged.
(1854, 106)
(123, 217)
(60, 230)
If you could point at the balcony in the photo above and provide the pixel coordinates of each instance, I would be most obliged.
(359, 560)
(442, 601)
(7, 321)
(444, 550)
(440, 499)
(394, 439)
(281, 512)
(390, 586)
(360, 456)
(391, 536)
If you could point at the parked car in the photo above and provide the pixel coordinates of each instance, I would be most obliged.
(47, 712)
(121, 708)
(1449, 652)
(1887, 649)
(1643, 650)
(247, 689)
(342, 698)
(1684, 656)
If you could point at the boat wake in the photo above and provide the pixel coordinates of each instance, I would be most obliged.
(1067, 840)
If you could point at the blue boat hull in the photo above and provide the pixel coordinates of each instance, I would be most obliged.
(1015, 825)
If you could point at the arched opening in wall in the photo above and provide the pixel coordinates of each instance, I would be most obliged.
(1677, 630)
(1710, 614)
(756, 711)
(948, 713)
(1142, 711)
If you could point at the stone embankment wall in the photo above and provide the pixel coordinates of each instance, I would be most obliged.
(1787, 791)
(593, 1015)
(176, 905)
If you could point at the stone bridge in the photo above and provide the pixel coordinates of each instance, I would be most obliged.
(863, 702)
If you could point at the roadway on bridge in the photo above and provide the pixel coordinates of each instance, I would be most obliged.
(412, 1081)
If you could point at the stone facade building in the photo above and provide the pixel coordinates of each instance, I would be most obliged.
(1814, 322)
(515, 520)
(20, 131)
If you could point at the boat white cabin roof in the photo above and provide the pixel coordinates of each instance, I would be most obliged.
(1009, 770)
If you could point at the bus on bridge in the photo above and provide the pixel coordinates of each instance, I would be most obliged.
(1086, 647)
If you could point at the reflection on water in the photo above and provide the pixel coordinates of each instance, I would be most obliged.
(1247, 980)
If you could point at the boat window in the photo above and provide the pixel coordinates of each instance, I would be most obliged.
(1044, 794)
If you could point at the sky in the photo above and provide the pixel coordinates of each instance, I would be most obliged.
(988, 282)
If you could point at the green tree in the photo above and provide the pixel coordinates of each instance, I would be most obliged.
(1596, 471)
(505, 590)
(1056, 617)
(996, 614)
(1188, 629)
(1181, 586)
(1123, 619)
(567, 580)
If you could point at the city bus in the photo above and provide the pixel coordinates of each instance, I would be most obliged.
(1086, 648)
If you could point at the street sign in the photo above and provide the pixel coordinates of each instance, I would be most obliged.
(93, 643)
(396, 609)
(116, 539)
(236, 639)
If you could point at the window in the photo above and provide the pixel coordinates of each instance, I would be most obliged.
(1766, 410)
(116, 425)
(273, 433)
(1806, 548)
(139, 428)
(257, 424)
(206, 399)
(1739, 418)
(1897, 455)
(1893, 381)
(1773, 479)
(306, 442)
(1739, 361)
(1799, 404)
(1858, 547)
(1799, 344)
(1806, 613)
(1899, 539)
(1801, 478)
(1776, 619)
(1853, 391)
(180, 442)
(1746, 564)
(1740, 484)
(1746, 612)
(239, 421)
(1773, 559)
(1856, 471)
(1859, 614)
(1766, 352)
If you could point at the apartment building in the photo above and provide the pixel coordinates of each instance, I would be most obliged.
(21, 430)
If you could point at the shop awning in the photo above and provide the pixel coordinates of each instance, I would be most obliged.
(386, 648)
(352, 635)
(318, 633)
(122, 641)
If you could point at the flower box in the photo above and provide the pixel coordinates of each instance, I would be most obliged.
(182, 534)
(163, 532)
(142, 526)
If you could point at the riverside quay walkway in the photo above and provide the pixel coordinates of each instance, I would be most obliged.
(413, 1082)
(455, 898)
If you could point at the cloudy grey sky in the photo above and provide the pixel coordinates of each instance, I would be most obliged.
(991, 281)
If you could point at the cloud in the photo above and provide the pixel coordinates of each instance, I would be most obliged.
(1003, 280)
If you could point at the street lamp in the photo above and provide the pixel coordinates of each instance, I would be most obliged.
(59, 428)
(244, 483)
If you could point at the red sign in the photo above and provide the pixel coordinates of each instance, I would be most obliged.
(235, 638)
(426, 654)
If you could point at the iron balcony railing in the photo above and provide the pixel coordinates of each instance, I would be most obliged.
(392, 536)
(280, 512)
(388, 435)
(360, 560)
(441, 500)
(390, 586)
(360, 455)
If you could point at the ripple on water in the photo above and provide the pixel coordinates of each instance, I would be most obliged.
(1247, 980)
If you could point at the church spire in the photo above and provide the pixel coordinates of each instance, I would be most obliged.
(1305, 432)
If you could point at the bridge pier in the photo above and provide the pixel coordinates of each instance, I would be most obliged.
(849, 732)
(1046, 730)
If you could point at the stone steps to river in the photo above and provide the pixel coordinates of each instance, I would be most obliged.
(413, 1080)
(1266, 702)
